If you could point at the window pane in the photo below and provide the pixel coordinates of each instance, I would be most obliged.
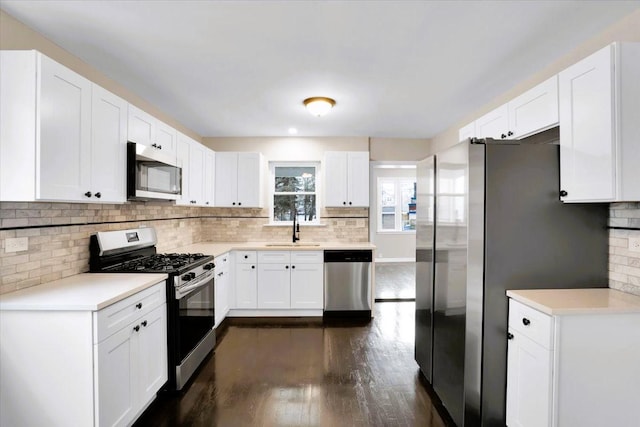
(285, 205)
(388, 221)
(408, 207)
(294, 179)
(388, 194)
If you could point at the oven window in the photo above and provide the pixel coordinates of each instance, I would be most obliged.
(158, 177)
(195, 318)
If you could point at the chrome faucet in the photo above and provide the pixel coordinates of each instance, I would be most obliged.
(296, 228)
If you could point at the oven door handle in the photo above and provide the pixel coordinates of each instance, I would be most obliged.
(184, 290)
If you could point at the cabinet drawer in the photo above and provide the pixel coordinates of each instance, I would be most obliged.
(532, 323)
(113, 318)
(246, 257)
(272, 257)
(307, 257)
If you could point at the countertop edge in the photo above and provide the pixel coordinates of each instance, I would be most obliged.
(624, 308)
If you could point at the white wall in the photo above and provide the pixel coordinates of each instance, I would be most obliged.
(391, 246)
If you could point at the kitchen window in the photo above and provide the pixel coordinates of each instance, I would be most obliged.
(396, 204)
(294, 187)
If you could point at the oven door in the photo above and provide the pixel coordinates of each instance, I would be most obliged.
(195, 317)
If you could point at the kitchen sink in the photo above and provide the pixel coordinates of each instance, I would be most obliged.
(292, 245)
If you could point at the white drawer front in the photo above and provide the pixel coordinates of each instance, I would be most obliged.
(532, 323)
(222, 262)
(274, 257)
(307, 257)
(116, 316)
(246, 257)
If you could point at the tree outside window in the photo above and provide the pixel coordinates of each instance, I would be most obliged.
(294, 191)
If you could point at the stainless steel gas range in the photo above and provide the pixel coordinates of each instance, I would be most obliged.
(190, 293)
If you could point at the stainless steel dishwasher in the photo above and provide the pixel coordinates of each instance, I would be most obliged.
(347, 283)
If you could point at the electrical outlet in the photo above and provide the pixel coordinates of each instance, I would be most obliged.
(634, 244)
(16, 244)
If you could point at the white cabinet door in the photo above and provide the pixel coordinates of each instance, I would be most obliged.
(307, 286)
(246, 286)
(152, 359)
(197, 165)
(534, 110)
(108, 146)
(226, 179)
(587, 134)
(221, 285)
(249, 175)
(335, 173)
(274, 289)
(141, 127)
(166, 138)
(209, 177)
(494, 124)
(64, 150)
(358, 178)
(183, 150)
(116, 378)
(529, 376)
(469, 131)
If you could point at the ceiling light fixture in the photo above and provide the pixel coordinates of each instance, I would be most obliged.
(319, 105)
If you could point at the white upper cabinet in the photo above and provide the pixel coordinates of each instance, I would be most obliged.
(59, 133)
(346, 178)
(238, 179)
(145, 129)
(599, 126)
(195, 161)
(533, 111)
(209, 177)
(468, 131)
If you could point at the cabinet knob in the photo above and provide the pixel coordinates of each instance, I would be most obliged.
(563, 193)
(525, 321)
(293, 266)
(344, 203)
(98, 195)
(88, 194)
(234, 203)
(144, 323)
(139, 305)
(286, 266)
(207, 203)
(509, 336)
(136, 328)
(239, 203)
(350, 203)
(253, 266)
(246, 256)
(159, 147)
(509, 133)
(154, 145)
(503, 136)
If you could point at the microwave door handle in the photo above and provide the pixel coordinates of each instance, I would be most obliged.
(180, 292)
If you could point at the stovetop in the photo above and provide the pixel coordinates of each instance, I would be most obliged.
(160, 263)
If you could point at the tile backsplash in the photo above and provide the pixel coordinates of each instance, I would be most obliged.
(624, 264)
(58, 233)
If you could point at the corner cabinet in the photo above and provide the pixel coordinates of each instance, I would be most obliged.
(238, 179)
(83, 368)
(573, 369)
(599, 126)
(62, 138)
(346, 178)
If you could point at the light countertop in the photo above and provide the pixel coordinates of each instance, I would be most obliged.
(82, 292)
(217, 249)
(577, 301)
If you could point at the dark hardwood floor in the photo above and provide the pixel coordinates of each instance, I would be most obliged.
(314, 374)
(395, 280)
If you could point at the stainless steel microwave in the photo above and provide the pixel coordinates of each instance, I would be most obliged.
(151, 174)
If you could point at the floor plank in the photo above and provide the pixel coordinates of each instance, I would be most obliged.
(334, 374)
(395, 280)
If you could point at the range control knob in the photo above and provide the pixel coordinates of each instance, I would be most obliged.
(209, 266)
(187, 277)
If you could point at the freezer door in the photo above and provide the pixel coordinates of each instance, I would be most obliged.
(425, 222)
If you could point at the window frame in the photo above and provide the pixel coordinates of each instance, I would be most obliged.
(398, 225)
(272, 190)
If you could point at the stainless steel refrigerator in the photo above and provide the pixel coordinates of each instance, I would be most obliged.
(489, 219)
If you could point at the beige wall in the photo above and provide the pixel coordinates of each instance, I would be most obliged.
(14, 35)
(399, 149)
(627, 29)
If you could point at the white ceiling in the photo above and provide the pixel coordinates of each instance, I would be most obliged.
(242, 68)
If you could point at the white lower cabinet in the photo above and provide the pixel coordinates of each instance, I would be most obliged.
(222, 287)
(279, 280)
(575, 369)
(84, 368)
